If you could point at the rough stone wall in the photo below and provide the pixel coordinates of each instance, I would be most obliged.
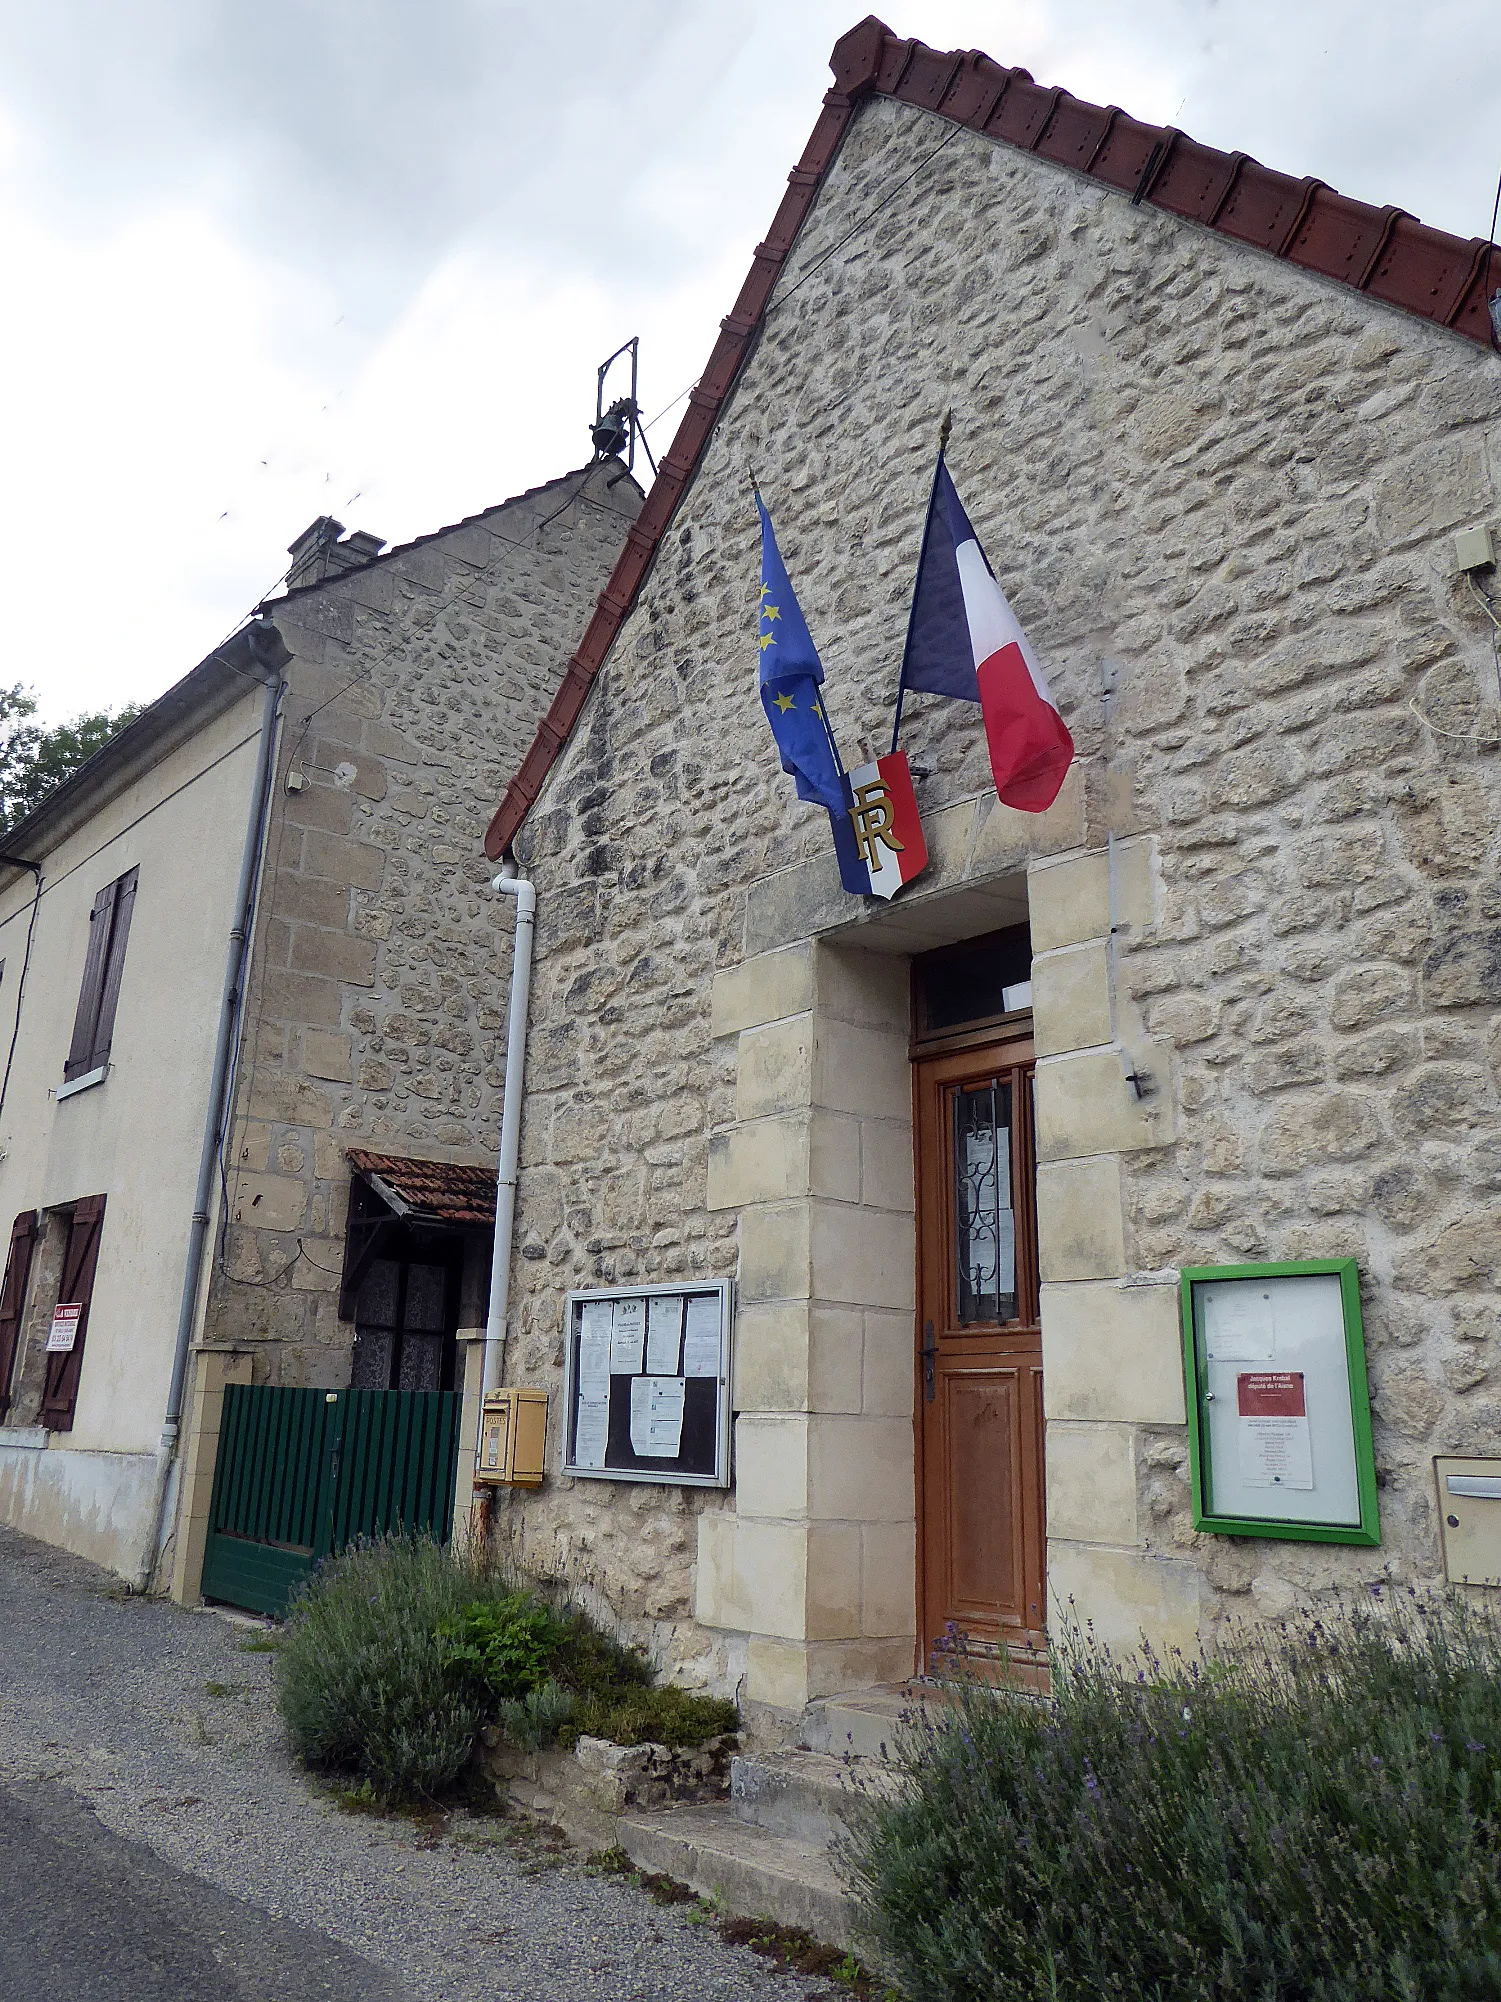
(1232, 483)
(379, 983)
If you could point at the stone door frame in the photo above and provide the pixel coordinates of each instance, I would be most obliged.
(813, 1561)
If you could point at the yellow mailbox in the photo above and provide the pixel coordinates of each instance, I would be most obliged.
(512, 1439)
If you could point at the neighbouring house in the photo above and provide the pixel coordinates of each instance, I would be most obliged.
(1216, 427)
(342, 751)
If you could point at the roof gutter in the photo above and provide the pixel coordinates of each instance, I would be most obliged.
(266, 648)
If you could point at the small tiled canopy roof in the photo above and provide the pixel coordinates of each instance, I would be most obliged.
(1384, 253)
(428, 1191)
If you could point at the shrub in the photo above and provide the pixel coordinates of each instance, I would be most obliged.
(637, 1716)
(363, 1678)
(533, 1721)
(1316, 1819)
(396, 1653)
(505, 1646)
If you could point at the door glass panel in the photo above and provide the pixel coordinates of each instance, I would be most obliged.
(376, 1306)
(426, 1288)
(370, 1368)
(984, 1222)
(421, 1363)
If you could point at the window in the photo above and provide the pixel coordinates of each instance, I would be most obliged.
(109, 928)
(967, 986)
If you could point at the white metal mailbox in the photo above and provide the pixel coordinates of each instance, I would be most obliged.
(1469, 1513)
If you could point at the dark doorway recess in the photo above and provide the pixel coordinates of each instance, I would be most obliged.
(406, 1312)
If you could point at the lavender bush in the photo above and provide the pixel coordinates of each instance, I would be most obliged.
(1314, 1816)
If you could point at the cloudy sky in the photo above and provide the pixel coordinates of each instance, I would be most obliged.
(269, 259)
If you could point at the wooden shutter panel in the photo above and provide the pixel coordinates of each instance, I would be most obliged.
(86, 1021)
(13, 1297)
(114, 966)
(80, 1261)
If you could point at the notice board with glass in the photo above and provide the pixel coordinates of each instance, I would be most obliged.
(646, 1394)
(1279, 1416)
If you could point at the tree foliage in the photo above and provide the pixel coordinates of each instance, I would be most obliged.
(33, 760)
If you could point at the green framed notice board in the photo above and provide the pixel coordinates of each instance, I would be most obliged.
(1279, 1415)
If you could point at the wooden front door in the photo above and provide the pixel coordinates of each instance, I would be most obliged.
(979, 1363)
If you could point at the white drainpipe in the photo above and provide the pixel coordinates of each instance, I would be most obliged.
(509, 884)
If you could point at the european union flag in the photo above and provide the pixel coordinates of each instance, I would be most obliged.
(790, 679)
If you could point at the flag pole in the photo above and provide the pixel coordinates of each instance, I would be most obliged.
(901, 686)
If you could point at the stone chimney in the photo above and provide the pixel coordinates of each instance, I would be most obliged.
(318, 552)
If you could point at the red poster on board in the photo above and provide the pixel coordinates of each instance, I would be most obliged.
(1271, 1393)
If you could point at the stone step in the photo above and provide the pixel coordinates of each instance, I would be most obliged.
(756, 1873)
(801, 1794)
(866, 1725)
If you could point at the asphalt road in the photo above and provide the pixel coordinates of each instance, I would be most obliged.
(157, 1841)
(114, 1920)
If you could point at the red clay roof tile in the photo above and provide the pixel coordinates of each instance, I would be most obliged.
(431, 1191)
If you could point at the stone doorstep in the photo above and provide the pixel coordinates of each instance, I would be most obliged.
(865, 1725)
(764, 1853)
(755, 1873)
(803, 1795)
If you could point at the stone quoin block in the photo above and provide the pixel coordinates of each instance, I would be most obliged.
(861, 1256)
(1113, 1351)
(1071, 999)
(1091, 1484)
(888, 1578)
(1069, 901)
(774, 1068)
(1085, 1105)
(752, 1576)
(1124, 1594)
(762, 990)
(1080, 1228)
(771, 1466)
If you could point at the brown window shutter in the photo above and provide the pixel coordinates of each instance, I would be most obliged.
(86, 1021)
(13, 1297)
(80, 1261)
(114, 966)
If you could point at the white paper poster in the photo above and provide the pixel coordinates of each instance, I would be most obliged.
(1238, 1323)
(1276, 1449)
(590, 1432)
(63, 1333)
(657, 1417)
(628, 1338)
(701, 1345)
(664, 1334)
(594, 1358)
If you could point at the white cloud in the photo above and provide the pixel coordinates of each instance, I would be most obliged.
(363, 259)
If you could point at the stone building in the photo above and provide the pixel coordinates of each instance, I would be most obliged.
(378, 972)
(1216, 428)
(349, 742)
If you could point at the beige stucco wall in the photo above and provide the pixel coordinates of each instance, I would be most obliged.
(1219, 490)
(134, 1138)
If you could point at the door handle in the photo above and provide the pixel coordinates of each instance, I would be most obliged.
(928, 1352)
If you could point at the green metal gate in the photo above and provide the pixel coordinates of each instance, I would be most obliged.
(302, 1473)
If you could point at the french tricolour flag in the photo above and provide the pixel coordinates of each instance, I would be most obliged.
(963, 640)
